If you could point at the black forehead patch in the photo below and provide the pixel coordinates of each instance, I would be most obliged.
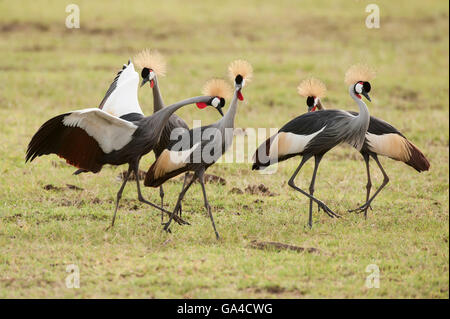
(310, 101)
(366, 87)
(222, 102)
(145, 72)
(239, 79)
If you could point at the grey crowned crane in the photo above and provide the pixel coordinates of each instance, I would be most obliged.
(201, 147)
(153, 64)
(381, 139)
(91, 138)
(313, 134)
(121, 98)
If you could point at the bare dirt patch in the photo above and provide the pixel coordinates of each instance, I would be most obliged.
(209, 178)
(260, 189)
(51, 187)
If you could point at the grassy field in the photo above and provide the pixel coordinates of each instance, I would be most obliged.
(47, 69)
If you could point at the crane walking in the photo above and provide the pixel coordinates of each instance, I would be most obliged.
(153, 65)
(203, 145)
(91, 138)
(381, 139)
(313, 134)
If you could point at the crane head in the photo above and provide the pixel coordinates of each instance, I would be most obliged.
(219, 90)
(216, 101)
(240, 71)
(362, 88)
(239, 84)
(313, 103)
(152, 63)
(148, 75)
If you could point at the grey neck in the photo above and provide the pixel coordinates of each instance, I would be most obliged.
(158, 103)
(360, 123)
(228, 120)
(363, 116)
(320, 105)
(161, 117)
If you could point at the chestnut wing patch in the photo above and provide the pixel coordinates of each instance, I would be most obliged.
(81, 137)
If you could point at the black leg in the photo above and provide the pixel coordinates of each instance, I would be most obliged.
(369, 183)
(385, 181)
(207, 206)
(161, 194)
(292, 184)
(119, 194)
(177, 206)
(143, 200)
(317, 160)
(180, 210)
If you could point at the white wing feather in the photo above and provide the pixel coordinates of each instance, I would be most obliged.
(124, 99)
(111, 133)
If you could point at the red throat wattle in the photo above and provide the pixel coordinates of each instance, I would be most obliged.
(201, 105)
(152, 83)
(313, 109)
(240, 96)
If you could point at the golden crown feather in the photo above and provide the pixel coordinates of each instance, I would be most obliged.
(240, 67)
(217, 87)
(359, 72)
(151, 59)
(312, 87)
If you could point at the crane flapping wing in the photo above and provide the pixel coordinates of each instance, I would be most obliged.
(81, 137)
(121, 97)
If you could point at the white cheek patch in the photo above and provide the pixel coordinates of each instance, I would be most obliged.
(358, 88)
(151, 76)
(215, 102)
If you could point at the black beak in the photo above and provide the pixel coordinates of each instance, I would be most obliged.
(366, 95)
(220, 110)
(144, 80)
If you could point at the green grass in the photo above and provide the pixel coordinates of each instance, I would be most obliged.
(46, 69)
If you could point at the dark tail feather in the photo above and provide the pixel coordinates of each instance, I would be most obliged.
(46, 139)
(261, 156)
(150, 180)
(417, 160)
(79, 171)
(150, 176)
(71, 143)
(256, 166)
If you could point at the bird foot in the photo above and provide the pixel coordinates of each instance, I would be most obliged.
(179, 220)
(179, 211)
(328, 211)
(361, 209)
(166, 227)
